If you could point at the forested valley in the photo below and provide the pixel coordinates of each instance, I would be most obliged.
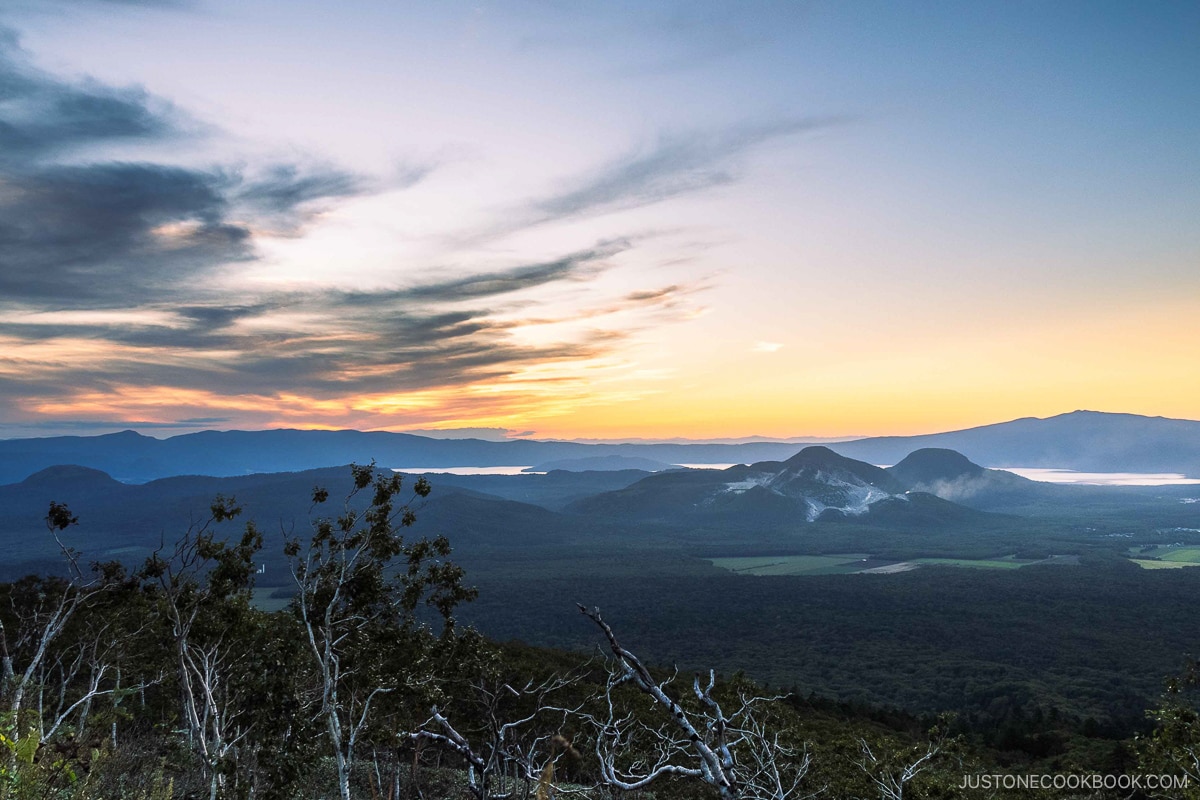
(167, 679)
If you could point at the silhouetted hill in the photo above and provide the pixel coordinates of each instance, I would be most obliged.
(1083, 440)
(553, 490)
(80, 477)
(133, 458)
(932, 465)
(816, 483)
(128, 521)
(952, 476)
(819, 460)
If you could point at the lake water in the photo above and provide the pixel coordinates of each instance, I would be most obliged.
(513, 470)
(463, 470)
(1036, 474)
(1105, 478)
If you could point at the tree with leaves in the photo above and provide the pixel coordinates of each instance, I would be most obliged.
(44, 683)
(359, 581)
(1173, 748)
(204, 586)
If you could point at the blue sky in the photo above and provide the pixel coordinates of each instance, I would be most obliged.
(654, 219)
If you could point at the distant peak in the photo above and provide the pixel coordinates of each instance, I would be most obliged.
(930, 465)
(815, 453)
(70, 473)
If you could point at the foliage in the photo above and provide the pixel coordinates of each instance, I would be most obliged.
(1173, 748)
(175, 684)
(357, 607)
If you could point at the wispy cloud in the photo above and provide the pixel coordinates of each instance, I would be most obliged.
(93, 233)
(577, 266)
(672, 166)
(119, 298)
(328, 346)
(42, 115)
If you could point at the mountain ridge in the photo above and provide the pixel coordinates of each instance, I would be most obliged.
(1088, 441)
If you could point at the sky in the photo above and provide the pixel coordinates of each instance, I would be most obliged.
(596, 220)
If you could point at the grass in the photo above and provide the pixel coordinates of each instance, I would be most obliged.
(793, 565)
(851, 563)
(1188, 554)
(1146, 563)
(1165, 556)
(975, 563)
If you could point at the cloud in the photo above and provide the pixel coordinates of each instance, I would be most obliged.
(326, 343)
(97, 234)
(487, 434)
(94, 233)
(672, 166)
(282, 188)
(766, 347)
(576, 266)
(41, 115)
(109, 308)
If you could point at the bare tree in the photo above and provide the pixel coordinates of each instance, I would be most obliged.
(735, 753)
(74, 677)
(205, 586)
(40, 624)
(891, 772)
(351, 590)
(519, 744)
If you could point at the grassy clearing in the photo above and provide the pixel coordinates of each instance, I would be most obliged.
(1146, 563)
(793, 565)
(1165, 556)
(1186, 554)
(855, 563)
(974, 563)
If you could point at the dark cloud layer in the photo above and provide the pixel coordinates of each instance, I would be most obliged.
(102, 233)
(41, 115)
(95, 233)
(434, 334)
(82, 234)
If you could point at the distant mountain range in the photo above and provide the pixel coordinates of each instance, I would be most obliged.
(482, 512)
(931, 490)
(1082, 440)
(1087, 441)
(815, 484)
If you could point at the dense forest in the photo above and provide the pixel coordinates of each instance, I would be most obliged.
(166, 680)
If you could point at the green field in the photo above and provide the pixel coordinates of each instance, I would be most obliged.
(856, 563)
(851, 563)
(837, 564)
(1149, 564)
(1165, 556)
(975, 563)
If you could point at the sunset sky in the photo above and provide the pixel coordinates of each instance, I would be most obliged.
(571, 219)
